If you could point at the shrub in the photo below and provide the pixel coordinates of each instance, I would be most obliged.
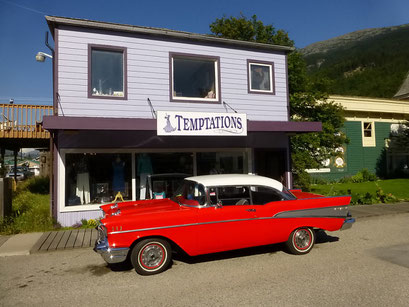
(385, 198)
(302, 181)
(92, 223)
(362, 176)
(362, 199)
(368, 176)
(30, 212)
(36, 185)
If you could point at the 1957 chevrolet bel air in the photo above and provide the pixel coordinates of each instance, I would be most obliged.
(215, 213)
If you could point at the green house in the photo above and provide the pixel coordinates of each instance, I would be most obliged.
(370, 122)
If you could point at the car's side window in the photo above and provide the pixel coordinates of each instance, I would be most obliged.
(213, 195)
(263, 195)
(233, 195)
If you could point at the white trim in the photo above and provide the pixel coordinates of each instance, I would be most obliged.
(368, 141)
(371, 105)
(376, 120)
(216, 79)
(270, 70)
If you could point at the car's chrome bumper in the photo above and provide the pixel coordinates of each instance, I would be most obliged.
(109, 254)
(348, 223)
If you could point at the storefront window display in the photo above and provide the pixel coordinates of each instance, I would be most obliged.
(97, 178)
(221, 163)
(160, 163)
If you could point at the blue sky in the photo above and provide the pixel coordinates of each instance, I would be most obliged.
(22, 27)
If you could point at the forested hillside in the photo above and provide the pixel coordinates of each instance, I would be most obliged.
(371, 63)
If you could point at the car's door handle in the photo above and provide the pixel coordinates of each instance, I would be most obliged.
(251, 210)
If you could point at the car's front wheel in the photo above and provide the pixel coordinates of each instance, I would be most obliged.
(151, 256)
(301, 241)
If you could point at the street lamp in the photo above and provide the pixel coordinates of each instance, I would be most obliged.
(40, 56)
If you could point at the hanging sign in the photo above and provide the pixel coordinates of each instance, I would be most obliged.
(201, 124)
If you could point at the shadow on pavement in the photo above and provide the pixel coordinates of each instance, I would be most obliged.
(322, 237)
(267, 249)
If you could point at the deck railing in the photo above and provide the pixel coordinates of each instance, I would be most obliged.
(23, 121)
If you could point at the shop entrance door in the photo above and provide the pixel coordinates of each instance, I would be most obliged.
(271, 163)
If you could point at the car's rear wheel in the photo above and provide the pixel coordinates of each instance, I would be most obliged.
(301, 241)
(151, 256)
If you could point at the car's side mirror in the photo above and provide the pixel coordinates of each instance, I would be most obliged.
(219, 204)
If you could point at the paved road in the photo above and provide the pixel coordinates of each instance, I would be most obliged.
(367, 265)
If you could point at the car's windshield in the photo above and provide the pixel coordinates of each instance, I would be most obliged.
(288, 194)
(190, 193)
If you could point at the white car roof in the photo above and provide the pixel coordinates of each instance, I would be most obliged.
(236, 179)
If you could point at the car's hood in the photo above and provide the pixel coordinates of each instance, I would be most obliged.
(140, 207)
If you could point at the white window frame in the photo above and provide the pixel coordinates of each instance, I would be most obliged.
(216, 61)
(368, 141)
(270, 65)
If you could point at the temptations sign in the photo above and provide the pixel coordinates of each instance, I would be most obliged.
(201, 124)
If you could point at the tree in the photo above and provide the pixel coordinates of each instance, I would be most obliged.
(308, 100)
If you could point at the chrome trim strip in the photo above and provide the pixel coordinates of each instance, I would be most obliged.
(184, 225)
(315, 212)
(276, 216)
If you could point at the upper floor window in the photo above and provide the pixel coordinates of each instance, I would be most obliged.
(106, 72)
(368, 134)
(260, 77)
(194, 78)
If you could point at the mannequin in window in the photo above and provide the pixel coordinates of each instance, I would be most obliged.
(118, 178)
(144, 168)
(82, 189)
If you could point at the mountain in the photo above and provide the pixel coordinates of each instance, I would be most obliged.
(371, 62)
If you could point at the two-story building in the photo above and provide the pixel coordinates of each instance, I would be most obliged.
(132, 101)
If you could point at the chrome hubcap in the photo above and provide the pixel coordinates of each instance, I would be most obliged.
(302, 239)
(152, 256)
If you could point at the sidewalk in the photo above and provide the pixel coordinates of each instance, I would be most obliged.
(29, 243)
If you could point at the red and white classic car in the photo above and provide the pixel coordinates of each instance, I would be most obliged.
(216, 213)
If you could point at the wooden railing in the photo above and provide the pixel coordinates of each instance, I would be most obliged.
(23, 121)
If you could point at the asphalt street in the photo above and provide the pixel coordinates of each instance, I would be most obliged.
(367, 265)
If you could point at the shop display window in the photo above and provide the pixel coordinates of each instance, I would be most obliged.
(159, 174)
(97, 178)
(194, 78)
(209, 163)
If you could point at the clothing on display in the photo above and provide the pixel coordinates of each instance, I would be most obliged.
(82, 190)
(118, 180)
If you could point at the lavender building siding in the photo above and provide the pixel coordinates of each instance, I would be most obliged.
(148, 77)
(71, 218)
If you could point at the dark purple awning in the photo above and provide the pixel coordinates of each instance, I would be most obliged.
(142, 124)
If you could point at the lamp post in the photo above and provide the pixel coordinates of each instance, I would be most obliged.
(40, 56)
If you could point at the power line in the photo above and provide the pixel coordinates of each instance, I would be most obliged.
(24, 7)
